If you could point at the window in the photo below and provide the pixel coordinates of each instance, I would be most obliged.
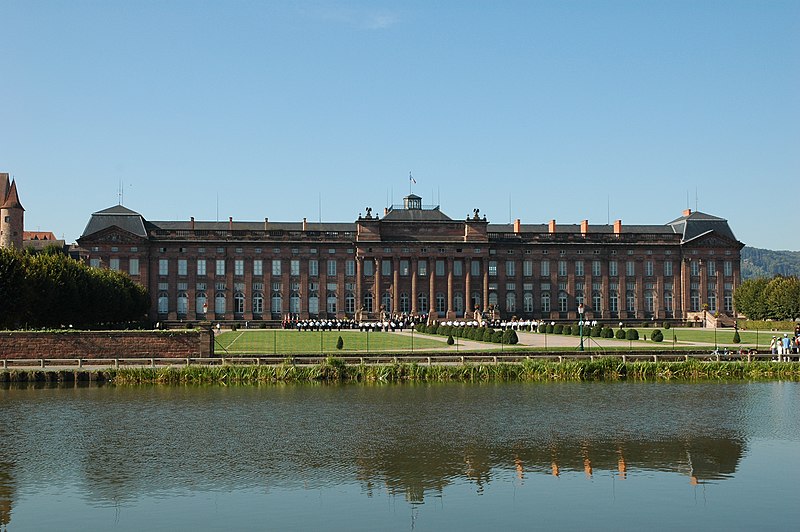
(238, 303)
(276, 267)
(313, 303)
(258, 270)
(113, 264)
(219, 303)
(386, 301)
(294, 267)
(238, 267)
(276, 304)
(475, 268)
(648, 268)
(527, 302)
(613, 301)
(562, 301)
(201, 303)
(133, 266)
(630, 268)
(476, 300)
(369, 268)
(422, 302)
(349, 303)
(404, 268)
(596, 268)
(545, 302)
(258, 303)
(458, 269)
(728, 300)
(649, 301)
(422, 268)
(313, 268)
(612, 268)
(667, 268)
(597, 303)
(711, 266)
(562, 268)
(668, 301)
(368, 300)
(694, 268)
(332, 303)
(492, 268)
(527, 268)
(545, 268)
(163, 266)
(440, 268)
(727, 268)
(332, 267)
(294, 302)
(220, 267)
(458, 304)
(163, 303)
(579, 271)
(511, 302)
(386, 267)
(510, 268)
(201, 267)
(405, 305)
(349, 268)
(441, 303)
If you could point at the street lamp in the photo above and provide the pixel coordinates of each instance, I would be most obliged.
(580, 323)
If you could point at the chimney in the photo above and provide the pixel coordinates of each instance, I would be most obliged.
(191, 221)
(305, 224)
(385, 211)
(517, 226)
(617, 227)
(266, 223)
(687, 212)
(584, 227)
(552, 227)
(230, 223)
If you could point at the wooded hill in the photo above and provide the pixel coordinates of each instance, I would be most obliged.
(768, 263)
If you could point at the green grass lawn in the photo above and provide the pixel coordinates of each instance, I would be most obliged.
(279, 342)
(723, 336)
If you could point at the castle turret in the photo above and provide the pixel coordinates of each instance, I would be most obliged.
(12, 215)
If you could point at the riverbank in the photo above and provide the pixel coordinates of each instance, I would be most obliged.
(334, 370)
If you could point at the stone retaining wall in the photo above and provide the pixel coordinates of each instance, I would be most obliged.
(106, 344)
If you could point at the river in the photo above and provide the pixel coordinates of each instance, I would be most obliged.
(621, 455)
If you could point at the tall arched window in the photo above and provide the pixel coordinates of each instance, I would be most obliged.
(386, 301)
(405, 304)
(668, 301)
(613, 301)
(597, 303)
(313, 303)
(258, 304)
(294, 302)
(694, 297)
(422, 302)
(630, 301)
(441, 303)
(493, 298)
(163, 303)
(276, 305)
(183, 305)
(563, 302)
(201, 303)
(476, 300)
(545, 302)
(332, 304)
(238, 304)
(219, 303)
(368, 302)
(511, 302)
(458, 304)
(527, 302)
(649, 301)
(349, 303)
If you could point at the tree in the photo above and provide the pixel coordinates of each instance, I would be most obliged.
(339, 343)
(783, 298)
(748, 298)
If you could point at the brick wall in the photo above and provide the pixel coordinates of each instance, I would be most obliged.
(106, 344)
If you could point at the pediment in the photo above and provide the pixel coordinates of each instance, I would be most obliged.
(113, 235)
(712, 239)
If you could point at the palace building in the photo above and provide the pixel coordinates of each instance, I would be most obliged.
(414, 259)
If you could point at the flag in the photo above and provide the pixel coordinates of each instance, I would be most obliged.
(411, 178)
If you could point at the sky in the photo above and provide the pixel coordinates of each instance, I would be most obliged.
(537, 110)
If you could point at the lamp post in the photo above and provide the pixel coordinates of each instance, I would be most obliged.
(580, 323)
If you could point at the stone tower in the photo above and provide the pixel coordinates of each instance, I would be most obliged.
(12, 214)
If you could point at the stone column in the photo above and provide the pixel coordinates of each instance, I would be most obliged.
(485, 284)
(432, 287)
(467, 288)
(359, 277)
(396, 285)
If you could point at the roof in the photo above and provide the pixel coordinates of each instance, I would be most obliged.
(696, 224)
(12, 198)
(38, 235)
(171, 225)
(416, 215)
(576, 229)
(116, 216)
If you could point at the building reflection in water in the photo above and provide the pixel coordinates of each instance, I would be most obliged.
(6, 494)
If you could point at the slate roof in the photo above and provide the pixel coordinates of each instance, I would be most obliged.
(576, 229)
(416, 215)
(116, 216)
(172, 225)
(697, 224)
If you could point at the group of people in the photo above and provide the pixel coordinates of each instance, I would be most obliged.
(785, 347)
(386, 323)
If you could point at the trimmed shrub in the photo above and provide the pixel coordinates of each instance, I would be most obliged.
(657, 336)
(620, 334)
(666, 325)
(607, 332)
(558, 329)
(550, 328)
(576, 330)
(450, 340)
(632, 334)
(510, 337)
(433, 329)
(497, 337)
(339, 343)
(420, 328)
(567, 330)
(487, 334)
(736, 338)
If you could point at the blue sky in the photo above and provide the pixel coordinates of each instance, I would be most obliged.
(559, 110)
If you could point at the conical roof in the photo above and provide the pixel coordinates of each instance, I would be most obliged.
(12, 198)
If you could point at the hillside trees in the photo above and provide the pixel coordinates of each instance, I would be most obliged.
(53, 290)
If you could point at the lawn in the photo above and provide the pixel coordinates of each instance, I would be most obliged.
(279, 342)
(723, 336)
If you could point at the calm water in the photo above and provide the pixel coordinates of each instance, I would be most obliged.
(404, 457)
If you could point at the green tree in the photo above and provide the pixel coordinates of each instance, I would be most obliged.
(748, 298)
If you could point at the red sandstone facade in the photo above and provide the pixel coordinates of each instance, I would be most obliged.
(417, 260)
